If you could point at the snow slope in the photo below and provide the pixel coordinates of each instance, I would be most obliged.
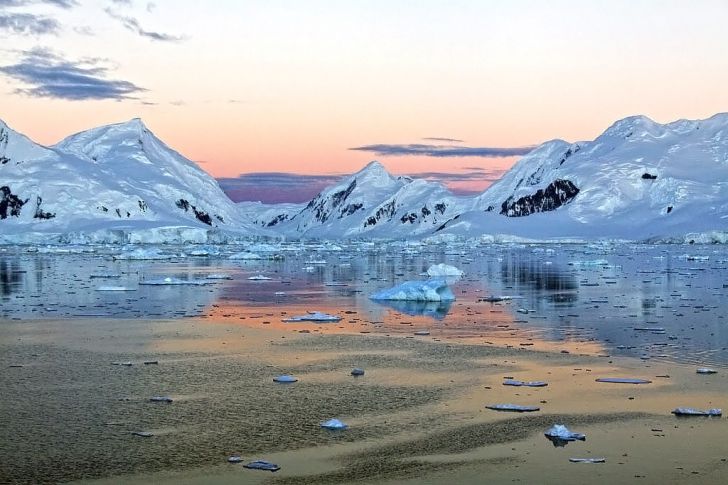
(637, 180)
(117, 177)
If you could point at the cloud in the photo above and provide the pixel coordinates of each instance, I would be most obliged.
(441, 150)
(437, 138)
(132, 24)
(449, 177)
(22, 3)
(275, 187)
(28, 24)
(47, 75)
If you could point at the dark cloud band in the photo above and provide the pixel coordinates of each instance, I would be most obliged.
(441, 151)
(47, 75)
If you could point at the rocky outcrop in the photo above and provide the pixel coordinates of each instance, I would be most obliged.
(557, 193)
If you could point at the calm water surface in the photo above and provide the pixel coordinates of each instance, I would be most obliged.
(653, 302)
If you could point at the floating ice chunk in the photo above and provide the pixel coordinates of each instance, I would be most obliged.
(443, 270)
(588, 460)
(706, 370)
(314, 317)
(280, 293)
(285, 379)
(593, 262)
(126, 364)
(513, 382)
(143, 434)
(262, 465)
(697, 412)
(422, 333)
(219, 276)
(431, 290)
(166, 399)
(246, 256)
(560, 435)
(259, 277)
(235, 459)
(517, 408)
(623, 380)
(357, 372)
(115, 288)
(168, 281)
(263, 248)
(105, 275)
(317, 261)
(495, 298)
(143, 254)
(333, 424)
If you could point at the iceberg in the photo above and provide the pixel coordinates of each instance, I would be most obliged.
(560, 435)
(333, 424)
(262, 465)
(697, 412)
(443, 270)
(430, 290)
(314, 317)
(434, 309)
(517, 408)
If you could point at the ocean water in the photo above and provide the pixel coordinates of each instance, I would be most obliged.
(657, 302)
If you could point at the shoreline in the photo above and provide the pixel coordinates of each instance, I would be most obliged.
(418, 400)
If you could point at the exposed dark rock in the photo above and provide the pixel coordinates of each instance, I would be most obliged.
(183, 204)
(490, 208)
(443, 226)
(4, 160)
(648, 176)
(142, 206)
(40, 213)
(425, 211)
(411, 217)
(277, 219)
(118, 212)
(341, 195)
(103, 208)
(350, 209)
(669, 209)
(10, 204)
(220, 218)
(557, 193)
(569, 153)
(387, 210)
(441, 207)
(202, 216)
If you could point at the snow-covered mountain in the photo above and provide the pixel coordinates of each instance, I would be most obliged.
(639, 179)
(369, 203)
(118, 177)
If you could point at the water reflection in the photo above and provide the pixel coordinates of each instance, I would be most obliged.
(614, 296)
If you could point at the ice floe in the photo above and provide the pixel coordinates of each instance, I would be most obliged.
(517, 383)
(285, 379)
(262, 465)
(697, 412)
(516, 408)
(334, 424)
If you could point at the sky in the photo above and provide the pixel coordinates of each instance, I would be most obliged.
(279, 98)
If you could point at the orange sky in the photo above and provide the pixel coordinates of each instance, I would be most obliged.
(250, 86)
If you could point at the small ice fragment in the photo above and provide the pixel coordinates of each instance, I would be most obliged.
(357, 371)
(588, 460)
(115, 288)
(431, 290)
(219, 276)
(235, 459)
(259, 277)
(623, 380)
(160, 399)
(262, 465)
(314, 317)
(697, 412)
(494, 299)
(285, 379)
(522, 310)
(443, 270)
(143, 434)
(706, 370)
(560, 435)
(517, 408)
(422, 333)
(333, 424)
(245, 256)
(126, 364)
(513, 382)
(280, 293)
(174, 282)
